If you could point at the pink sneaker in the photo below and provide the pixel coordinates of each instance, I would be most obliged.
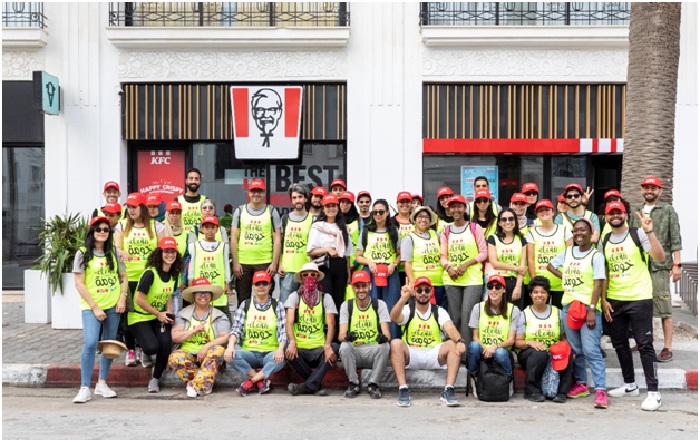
(130, 358)
(601, 399)
(578, 390)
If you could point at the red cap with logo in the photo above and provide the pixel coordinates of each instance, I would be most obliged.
(576, 316)
(422, 280)
(612, 206)
(98, 219)
(319, 191)
(561, 198)
(329, 200)
(360, 277)
(530, 187)
(651, 180)
(497, 279)
(338, 182)
(135, 199)
(364, 194)
(444, 191)
(167, 243)
(153, 199)
(261, 275)
(403, 195)
(611, 193)
(457, 199)
(518, 198)
(575, 186)
(417, 196)
(256, 184)
(210, 219)
(111, 184)
(173, 206)
(560, 352)
(347, 195)
(112, 208)
(481, 194)
(544, 203)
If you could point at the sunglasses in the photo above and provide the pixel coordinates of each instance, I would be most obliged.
(480, 201)
(310, 274)
(261, 283)
(494, 286)
(530, 193)
(573, 196)
(424, 289)
(507, 219)
(104, 230)
(378, 212)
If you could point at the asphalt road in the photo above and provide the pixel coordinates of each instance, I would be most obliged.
(51, 414)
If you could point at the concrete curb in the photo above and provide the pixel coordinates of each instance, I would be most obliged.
(68, 376)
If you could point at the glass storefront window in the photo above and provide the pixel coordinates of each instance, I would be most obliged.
(22, 211)
(566, 170)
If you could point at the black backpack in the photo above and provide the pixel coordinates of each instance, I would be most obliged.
(492, 382)
(375, 306)
(635, 238)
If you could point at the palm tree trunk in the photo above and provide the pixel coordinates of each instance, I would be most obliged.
(650, 103)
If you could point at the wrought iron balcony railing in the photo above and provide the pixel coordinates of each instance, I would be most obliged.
(524, 14)
(229, 14)
(23, 14)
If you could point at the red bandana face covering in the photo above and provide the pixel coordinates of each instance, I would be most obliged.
(309, 290)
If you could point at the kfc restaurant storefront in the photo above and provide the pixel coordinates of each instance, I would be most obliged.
(172, 127)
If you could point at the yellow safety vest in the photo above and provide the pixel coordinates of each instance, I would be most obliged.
(546, 248)
(255, 237)
(577, 277)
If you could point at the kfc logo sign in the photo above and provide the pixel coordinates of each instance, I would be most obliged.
(160, 157)
(266, 122)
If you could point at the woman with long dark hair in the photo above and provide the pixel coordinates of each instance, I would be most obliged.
(152, 318)
(379, 245)
(101, 282)
(507, 250)
(346, 202)
(484, 212)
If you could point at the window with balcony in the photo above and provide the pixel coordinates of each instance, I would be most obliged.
(23, 15)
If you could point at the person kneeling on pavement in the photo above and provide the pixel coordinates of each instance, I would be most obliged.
(202, 332)
(493, 330)
(364, 336)
(421, 347)
(259, 336)
(310, 350)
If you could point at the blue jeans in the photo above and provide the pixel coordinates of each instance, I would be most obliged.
(390, 294)
(247, 360)
(501, 356)
(177, 301)
(585, 343)
(287, 286)
(91, 333)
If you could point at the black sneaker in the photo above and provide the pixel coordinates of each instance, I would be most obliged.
(320, 392)
(666, 355)
(374, 392)
(559, 398)
(535, 397)
(352, 391)
(297, 388)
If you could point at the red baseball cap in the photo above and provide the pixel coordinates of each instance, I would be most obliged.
(173, 206)
(347, 195)
(576, 316)
(611, 193)
(482, 193)
(261, 275)
(363, 194)
(210, 219)
(530, 186)
(444, 191)
(112, 208)
(575, 186)
(403, 195)
(560, 352)
(167, 243)
(544, 203)
(417, 196)
(497, 279)
(611, 206)
(561, 198)
(457, 199)
(360, 277)
(319, 191)
(422, 280)
(518, 198)
(651, 180)
(329, 200)
(153, 199)
(256, 184)
(111, 184)
(338, 182)
(135, 199)
(98, 219)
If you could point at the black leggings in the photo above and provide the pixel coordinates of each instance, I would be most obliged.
(123, 333)
(154, 339)
(335, 281)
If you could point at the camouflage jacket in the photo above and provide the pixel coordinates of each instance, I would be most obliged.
(667, 230)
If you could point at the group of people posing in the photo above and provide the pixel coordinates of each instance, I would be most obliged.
(468, 282)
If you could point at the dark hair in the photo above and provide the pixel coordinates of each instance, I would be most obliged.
(585, 221)
(490, 217)
(390, 226)
(145, 218)
(502, 307)
(193, 170)
(541, 281)
(499, 229)
(339, 220)
(442, 213)
(155, 260)
(298, 187)
(351, 215)
(477, 178)
(90, 246)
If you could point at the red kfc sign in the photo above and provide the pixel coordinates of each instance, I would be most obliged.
(161, 171)
(266, 122)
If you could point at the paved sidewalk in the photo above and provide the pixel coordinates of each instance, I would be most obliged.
(37, 355)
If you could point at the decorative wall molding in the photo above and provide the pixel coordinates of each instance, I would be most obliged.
(24, 38)
(18, 65)
(524, 65)
(228, 66)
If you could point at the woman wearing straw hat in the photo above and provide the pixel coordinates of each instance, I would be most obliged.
(202, 332)
(101, 282)
(151, 319)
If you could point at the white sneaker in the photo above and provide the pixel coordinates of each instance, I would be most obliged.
(511, 391)
(652, 402)
(473, 386)
(191, 392)
(627, 390)
(83, 395)
(102, 389)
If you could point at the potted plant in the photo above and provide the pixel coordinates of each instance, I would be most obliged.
(61, 238)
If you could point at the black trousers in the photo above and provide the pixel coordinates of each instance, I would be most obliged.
(335, 281)
(312, 366)
(510, 285)
(123, 333)
(534, 362)
(155, 339)
(635, 315)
